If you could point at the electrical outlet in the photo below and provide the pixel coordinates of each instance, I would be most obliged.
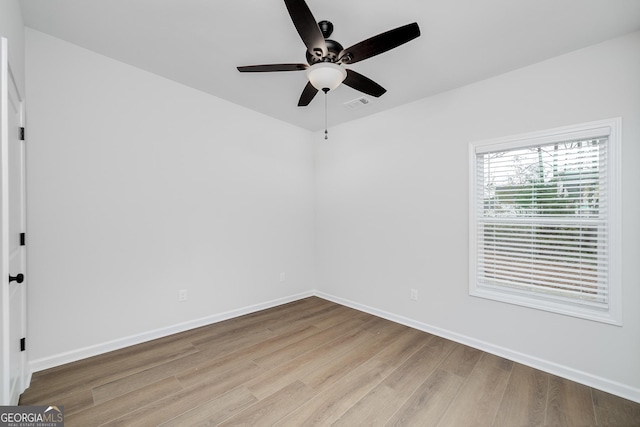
(283, 277)
(182, 295)
(414, 295)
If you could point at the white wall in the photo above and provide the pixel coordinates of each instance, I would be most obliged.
(139, 187)
(12, 28)
(392, 197)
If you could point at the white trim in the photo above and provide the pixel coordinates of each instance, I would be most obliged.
(568, 133)
(5, 368)
(94, 350)
(600, 383)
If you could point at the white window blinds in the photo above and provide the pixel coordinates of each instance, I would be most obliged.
(541, 220)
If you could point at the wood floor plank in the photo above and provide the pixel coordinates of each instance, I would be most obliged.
(442, 345)
(228, 341)
(347, 313)
(379, 405)
(339, 366)
(479, 398)
(461, 360)
(224, 373)
(105, 412)
(274, 344)
(407, 343)
(138, 380)
(307, 317)
(373, 409)
(201, 392)
(271, 409)
(569, 404)
(329, 405)
(216, 359)
(372, 324)
(73, 402)
(525, 399)
(613, 410)
(216, 410)
(303, 366)
(429, 402)
(312, 317)
(309, 343)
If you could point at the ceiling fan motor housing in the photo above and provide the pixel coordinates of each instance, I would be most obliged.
(333, 51)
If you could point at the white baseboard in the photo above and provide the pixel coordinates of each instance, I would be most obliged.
(94, 350)
(572, 374)
(569, 373)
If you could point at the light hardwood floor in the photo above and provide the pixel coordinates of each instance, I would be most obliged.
(313, 362)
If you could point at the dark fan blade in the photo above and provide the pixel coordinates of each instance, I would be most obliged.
(272, 67)
(379, 44)
(307, 27)
(308, 94)
(364, 84)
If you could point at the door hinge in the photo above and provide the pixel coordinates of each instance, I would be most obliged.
(23, 239)
(23, 344)
(21, 134)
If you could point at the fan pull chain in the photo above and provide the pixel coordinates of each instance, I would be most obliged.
(326, 132)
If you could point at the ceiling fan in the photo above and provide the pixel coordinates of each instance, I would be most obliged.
(326, 57)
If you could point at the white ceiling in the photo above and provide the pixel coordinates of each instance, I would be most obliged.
(200, 42)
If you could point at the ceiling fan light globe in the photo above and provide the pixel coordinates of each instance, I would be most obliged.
(326, 75)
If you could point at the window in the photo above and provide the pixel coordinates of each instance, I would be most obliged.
(544, 220)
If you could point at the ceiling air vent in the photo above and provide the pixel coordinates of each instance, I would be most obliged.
(357, 103)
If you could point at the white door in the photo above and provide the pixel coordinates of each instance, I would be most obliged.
(12, 225)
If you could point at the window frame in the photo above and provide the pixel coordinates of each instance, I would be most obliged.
(612, 314)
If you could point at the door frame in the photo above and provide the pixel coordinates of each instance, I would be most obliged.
(9, 396)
